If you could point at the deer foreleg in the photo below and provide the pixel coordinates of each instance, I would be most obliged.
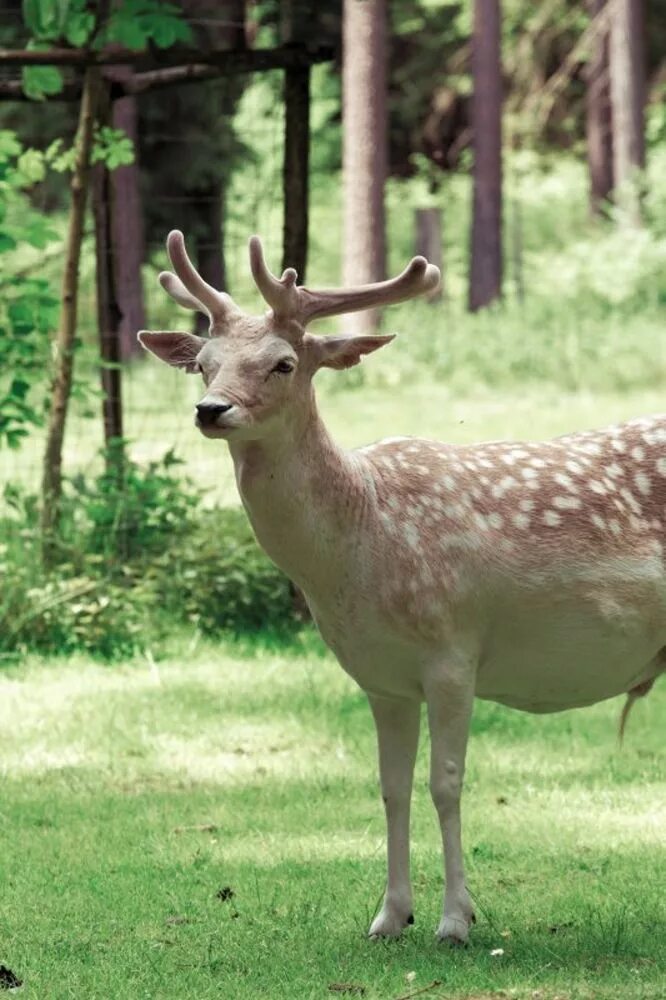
(397, 725)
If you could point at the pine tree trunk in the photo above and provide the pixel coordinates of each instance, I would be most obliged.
(365, 148)
(64, 345)
(598, 114)
(486, 249)
(627, 88)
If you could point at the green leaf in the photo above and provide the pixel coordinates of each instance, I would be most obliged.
(79, 28)
(40, 81)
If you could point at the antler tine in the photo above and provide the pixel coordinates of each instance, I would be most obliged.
(176, 289)
(418, 278)
(281, 294)
(206, 298)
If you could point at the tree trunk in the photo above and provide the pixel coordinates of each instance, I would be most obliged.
(598, 114)
(486, 250)
(365, 148)
(127, 238)
(428, 223)
(627, 88)
(64, 345)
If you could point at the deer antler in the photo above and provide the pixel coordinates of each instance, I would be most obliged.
(291, 301)
(187, 286)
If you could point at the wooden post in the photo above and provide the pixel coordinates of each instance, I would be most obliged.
(109, 313)
(428, 243)
(296, 15)
(295, 176)
(61, 386)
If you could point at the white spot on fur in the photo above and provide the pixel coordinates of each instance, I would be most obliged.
(661, 466)
(551, 518)
(526, 504)
(566, 502)
(598, 522)
(495, 520)
(597, 487)
(638, 453)
(574, 467)
(412, 535)
(521, 521)
(643, 484)
(528, 473)
(562, 479)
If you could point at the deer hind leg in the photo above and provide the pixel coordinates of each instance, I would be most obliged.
(397, 725)
(450, 700)
(640, 691)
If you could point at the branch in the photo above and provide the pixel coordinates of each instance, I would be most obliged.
(231, 63)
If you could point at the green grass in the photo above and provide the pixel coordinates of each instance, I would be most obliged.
(110, 873)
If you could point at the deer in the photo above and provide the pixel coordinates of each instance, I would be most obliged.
(528, 573)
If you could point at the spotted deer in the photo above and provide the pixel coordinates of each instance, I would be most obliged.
(527, 573)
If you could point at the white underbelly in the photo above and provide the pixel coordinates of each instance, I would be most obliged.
(572, 650)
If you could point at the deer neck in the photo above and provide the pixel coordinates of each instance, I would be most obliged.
(305, 497)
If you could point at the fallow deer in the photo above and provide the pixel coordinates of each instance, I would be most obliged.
(531, 574)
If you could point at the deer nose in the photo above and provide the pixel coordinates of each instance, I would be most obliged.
(208, 413)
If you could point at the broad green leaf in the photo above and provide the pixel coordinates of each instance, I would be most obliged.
(40, 81)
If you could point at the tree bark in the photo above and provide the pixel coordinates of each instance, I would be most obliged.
(627, 88)
(127, 236)
(428, 223)
(486, 249)
(365, 148)
(598, 114)
(64, 345)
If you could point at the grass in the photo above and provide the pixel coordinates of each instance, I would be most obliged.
(132, 796)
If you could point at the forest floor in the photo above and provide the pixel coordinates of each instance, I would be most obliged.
(210, 826)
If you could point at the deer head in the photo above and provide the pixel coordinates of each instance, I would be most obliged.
(257, 370)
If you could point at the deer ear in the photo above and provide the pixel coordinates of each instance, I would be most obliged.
(344, 352)
(177, 349)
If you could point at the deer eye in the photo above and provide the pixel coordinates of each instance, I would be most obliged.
(284, 367)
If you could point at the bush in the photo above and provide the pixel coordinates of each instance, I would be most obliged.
(220, 580)
(139, 558)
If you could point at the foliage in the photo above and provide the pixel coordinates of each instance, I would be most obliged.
(138, 557)
(132, 24)
(129, 511)
(28, 307)
(219, 579)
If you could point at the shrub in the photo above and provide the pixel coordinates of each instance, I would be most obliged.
(219, 579)
(139, 559)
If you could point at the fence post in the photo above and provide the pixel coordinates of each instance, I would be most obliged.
(296, 164)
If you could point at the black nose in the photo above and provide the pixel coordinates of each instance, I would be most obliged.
(209, 412)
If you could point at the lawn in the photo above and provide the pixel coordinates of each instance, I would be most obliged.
(210, 826)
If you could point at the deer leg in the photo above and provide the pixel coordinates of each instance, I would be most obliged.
(450, 704)
(397, 725)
